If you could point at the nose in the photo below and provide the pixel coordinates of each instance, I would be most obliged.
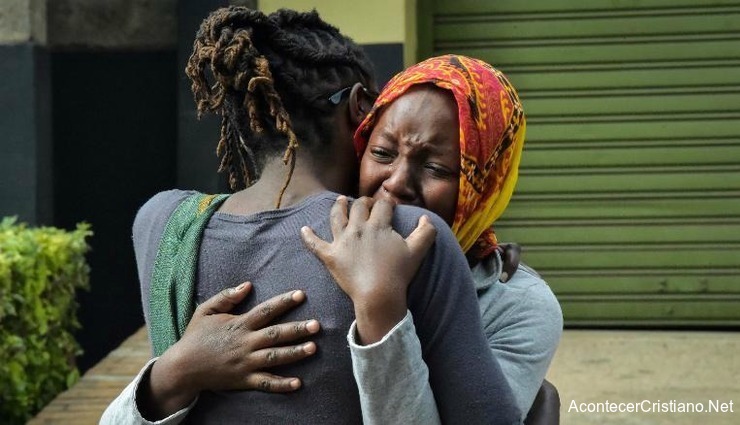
(399, 185)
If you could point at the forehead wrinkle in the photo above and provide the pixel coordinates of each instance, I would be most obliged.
(447, 115)
(431, 147)
(422, 138)
(406, 122)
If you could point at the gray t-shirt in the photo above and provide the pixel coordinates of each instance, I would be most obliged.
(266, 249)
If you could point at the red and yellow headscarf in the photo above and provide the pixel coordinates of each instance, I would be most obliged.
(492, 127)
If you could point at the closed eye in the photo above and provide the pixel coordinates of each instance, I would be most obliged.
(381, 154)
(440, 171)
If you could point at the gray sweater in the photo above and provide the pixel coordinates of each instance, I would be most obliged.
(266, 249)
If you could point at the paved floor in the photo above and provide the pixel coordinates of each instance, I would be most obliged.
(85, 402)
(646, 367)
(590, 367)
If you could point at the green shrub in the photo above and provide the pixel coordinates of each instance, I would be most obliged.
(40, 269)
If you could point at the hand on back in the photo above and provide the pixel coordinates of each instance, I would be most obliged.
(222, 351)
(371, 262)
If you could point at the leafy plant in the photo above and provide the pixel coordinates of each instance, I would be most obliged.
(40, 270)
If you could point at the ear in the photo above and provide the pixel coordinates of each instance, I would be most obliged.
(359, 104)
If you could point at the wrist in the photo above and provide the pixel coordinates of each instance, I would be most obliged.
(166, 389)
(375, 321)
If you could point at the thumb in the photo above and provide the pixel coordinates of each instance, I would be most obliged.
(421, 239)
(225, 300)
(315, 244)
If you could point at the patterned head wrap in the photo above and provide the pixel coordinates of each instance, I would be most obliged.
(492, 127)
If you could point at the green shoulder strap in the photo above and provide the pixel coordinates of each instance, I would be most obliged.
(172, 289)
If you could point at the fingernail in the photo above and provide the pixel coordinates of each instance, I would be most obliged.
(241, 287)
(298, 296)
(341, 198)
(309, 348)
(295, 384)
(504, 277)
(312, 326)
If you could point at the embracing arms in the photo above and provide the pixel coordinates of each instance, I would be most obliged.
(522, 323)
(466, 381)
(219, 351)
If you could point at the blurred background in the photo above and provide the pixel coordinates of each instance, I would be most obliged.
(629, 198)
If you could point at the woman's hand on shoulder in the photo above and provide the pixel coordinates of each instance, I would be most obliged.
(371, 262)
(222, 351)
(511, 254)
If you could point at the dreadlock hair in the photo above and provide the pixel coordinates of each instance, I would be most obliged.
(269, 77)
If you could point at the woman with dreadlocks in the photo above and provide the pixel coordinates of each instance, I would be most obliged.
(291, 90)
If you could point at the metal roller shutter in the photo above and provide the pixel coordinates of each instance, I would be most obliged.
(629, 197)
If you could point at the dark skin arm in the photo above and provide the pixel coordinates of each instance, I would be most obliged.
(238, 349)
(371, 262)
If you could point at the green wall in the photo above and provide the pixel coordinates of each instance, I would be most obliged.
(628, 201)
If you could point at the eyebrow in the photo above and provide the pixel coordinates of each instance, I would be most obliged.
(387, 135)
(433, 148)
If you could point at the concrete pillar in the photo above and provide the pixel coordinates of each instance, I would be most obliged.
(25, 116)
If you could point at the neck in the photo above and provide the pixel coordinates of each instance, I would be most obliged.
(309, 177)
(303, 182)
